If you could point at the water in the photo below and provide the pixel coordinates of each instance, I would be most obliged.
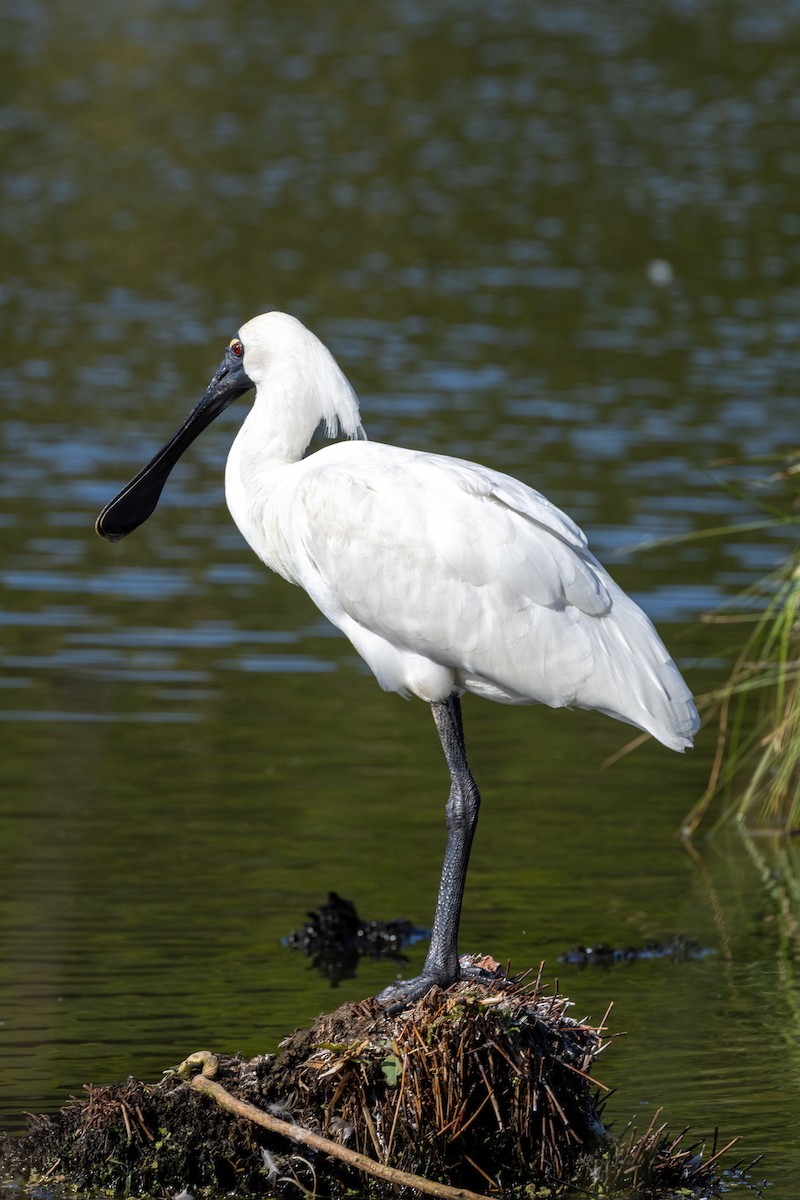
(560, 238)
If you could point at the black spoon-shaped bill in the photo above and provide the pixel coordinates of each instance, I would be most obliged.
(131, 507)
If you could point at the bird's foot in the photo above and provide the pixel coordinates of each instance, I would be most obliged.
(404, 993)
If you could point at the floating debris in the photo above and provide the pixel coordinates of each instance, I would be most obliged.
(335, 937)
(677, 948)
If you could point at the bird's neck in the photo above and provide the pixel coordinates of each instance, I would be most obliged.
(261, 463)
(278, 428)
(291, 401)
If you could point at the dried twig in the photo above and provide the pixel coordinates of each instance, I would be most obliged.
(204, 1082)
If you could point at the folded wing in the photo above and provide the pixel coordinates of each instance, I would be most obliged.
(444, 573)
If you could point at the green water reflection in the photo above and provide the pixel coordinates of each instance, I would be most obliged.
(560, 238)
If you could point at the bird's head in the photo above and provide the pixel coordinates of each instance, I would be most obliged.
(298, 381)
(282, 360)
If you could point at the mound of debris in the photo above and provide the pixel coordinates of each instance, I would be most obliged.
(479, 1089)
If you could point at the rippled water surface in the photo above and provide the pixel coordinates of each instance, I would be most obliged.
(562, 238)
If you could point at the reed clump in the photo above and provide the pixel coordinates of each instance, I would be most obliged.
(757, 709)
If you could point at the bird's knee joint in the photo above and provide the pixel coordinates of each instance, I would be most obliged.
(462, 808)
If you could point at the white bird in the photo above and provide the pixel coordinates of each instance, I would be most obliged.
(447, 577)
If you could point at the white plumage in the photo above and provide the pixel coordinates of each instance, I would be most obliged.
(444, 574)
(447, 577)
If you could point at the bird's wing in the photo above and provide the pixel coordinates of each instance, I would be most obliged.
(451, 561)
(554, 566)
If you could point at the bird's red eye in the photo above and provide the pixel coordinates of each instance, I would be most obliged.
(236, 347)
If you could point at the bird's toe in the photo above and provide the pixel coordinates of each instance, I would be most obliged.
(481, 970)
(406, 992)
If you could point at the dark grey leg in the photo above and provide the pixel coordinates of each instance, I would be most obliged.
(462, 817)
(441, 965)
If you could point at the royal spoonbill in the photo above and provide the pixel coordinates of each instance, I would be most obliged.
(447, 577)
